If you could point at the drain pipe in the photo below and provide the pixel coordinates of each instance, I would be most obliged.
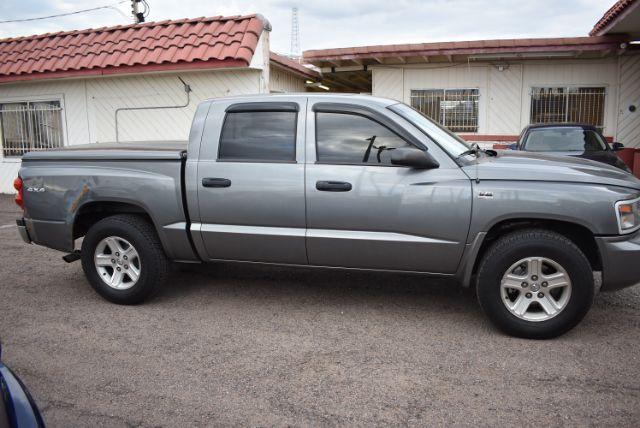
(187, 90)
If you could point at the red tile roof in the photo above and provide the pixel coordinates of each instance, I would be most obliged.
(611, 16)
(475, 47)
(189, 43)
(293, 66)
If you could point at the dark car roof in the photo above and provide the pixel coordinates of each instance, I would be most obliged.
(561, 125)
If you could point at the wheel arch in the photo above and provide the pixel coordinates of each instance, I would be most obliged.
(91, 212)
(576, 232)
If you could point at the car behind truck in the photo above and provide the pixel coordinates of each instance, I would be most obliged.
(342, 181)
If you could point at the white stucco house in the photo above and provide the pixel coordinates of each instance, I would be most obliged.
(129, 83)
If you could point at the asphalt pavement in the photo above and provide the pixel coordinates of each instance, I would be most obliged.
(243, 345)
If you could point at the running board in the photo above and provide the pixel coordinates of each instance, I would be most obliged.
(72, 257)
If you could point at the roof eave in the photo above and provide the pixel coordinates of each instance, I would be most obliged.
(309, 76)
(291, 66)
(125, 70)
(377, 54)
(607, 23)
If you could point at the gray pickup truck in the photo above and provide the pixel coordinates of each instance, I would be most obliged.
(341, 181)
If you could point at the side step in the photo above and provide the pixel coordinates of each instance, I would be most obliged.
(72, 257)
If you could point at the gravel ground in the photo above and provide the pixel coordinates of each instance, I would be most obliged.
(247, 345)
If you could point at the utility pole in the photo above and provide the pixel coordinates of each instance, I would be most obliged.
(138, 16)
(294, 52)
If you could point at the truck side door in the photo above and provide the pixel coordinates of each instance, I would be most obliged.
(250, 181)
(364, 212)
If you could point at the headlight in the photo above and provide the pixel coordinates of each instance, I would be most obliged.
(628, 213)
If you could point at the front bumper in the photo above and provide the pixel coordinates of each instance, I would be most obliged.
(22, 229)
(620, 260)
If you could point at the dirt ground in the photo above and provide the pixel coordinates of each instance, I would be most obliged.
(248, 345)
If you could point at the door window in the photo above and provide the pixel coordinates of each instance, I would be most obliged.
(260, 136)
(352, 139)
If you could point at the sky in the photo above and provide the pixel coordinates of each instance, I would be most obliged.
(337, 23)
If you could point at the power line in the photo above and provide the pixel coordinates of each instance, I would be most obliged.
(139, 17)
(110, 6)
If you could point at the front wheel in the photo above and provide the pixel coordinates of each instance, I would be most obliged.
(123, 259)
(535, 284)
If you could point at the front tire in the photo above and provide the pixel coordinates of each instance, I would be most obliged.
(535, 284)
(123, 259)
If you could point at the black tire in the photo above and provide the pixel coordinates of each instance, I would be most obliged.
(519, 245)
(142, 235)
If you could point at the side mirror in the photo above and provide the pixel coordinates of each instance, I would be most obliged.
(413, 158)
(617, 146)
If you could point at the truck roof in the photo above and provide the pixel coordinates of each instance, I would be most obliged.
(328, 97)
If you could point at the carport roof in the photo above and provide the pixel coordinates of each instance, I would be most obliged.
(212, 42)
(293, 66)
(456, 51)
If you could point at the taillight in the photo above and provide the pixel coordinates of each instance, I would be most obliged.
(17, 184)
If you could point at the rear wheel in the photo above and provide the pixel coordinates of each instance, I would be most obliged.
(535, 284)
(123, 259)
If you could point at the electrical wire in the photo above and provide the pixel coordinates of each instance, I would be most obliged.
(147, 8)
(109, 6)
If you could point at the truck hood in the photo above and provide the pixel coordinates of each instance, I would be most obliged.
(605, 156)
(527, 166)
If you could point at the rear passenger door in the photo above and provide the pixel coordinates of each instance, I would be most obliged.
(251, 181)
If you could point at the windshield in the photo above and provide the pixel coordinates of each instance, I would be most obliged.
(446, 139)
(564, 139)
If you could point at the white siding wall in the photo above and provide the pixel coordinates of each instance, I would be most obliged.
(8, 173)
(388, 83)
(73, 101)
(447, 77)
(89, 105)
(504, 104)
(105, 95)
(602, 72)
(629, 122)
(504, 100)
(284, 81)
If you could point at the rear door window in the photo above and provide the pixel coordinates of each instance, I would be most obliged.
(260, 136)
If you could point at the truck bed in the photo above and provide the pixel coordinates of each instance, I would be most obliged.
(71, 183)
(137, 150)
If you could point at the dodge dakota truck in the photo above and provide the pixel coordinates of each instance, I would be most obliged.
(340, 181)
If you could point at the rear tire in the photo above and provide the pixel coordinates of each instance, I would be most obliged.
(535, 284)
(123, 259)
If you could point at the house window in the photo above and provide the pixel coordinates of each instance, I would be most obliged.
(457, 109)
(568, 104)
(29, 126)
